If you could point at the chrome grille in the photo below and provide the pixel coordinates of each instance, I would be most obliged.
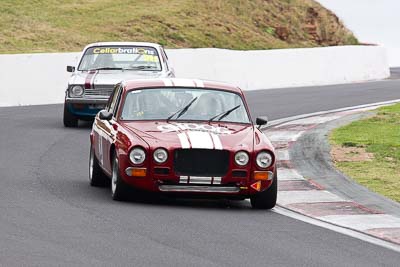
(99, 91)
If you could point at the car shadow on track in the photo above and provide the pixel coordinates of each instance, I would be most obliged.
(136, 197)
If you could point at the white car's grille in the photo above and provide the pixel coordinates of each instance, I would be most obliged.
(99, 91)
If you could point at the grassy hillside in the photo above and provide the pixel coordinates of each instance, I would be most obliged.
(68, 25)
(375, 157)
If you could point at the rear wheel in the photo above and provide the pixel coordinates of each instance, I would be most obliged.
(118, 186)
(266, 199)
(69, 119)
(96, 175)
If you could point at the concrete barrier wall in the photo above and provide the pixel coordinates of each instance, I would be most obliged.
(28, 79)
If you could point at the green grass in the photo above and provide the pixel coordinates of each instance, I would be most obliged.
(380, 135)
(68, 25)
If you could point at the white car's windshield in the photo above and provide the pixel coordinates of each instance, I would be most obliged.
(120, 57)
(184, 104)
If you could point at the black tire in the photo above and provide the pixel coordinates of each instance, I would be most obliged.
(267, 199)
(118, 186)
(97, 177)
(69, 119)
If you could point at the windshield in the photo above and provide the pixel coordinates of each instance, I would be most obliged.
(184, 104)
(121, 57)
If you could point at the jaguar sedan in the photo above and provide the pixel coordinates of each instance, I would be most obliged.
(101, 67)
(182, 137)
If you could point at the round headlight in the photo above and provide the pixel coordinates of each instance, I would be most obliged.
(137, 156)
(241, 158)
(77, 90)
(264, 160)
(160, 155)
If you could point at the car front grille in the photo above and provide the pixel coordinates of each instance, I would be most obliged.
(102, 91)
(201, 162)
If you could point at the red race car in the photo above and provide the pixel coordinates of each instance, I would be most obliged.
(187, 137)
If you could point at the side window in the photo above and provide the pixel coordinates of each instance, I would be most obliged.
(113, 98)
(110, 100)
(117, 102)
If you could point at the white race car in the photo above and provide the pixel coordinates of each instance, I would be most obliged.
(101, 67)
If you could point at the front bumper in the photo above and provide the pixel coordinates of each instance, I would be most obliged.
(199, 189)
(84, 110)
(227, 185)
(70, 100)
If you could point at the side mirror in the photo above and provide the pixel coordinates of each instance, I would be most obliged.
(260, 121)
(105, 115)
(70, 68)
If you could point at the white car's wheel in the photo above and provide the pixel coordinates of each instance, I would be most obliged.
(69, 119)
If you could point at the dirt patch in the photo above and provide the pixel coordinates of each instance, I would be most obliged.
(350, 154)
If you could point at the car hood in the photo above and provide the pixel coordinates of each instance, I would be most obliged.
(194, 135)
(112, 77)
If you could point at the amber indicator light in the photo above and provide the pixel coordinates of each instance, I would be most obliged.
(137, 172)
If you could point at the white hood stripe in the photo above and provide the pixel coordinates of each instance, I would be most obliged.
(217, 141)
(200, 140)
(184, 140)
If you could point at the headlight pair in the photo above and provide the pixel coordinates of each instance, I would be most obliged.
(76, 91)
(263, 160)
(138, 155)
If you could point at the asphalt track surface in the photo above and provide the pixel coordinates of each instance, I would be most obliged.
(50, 216)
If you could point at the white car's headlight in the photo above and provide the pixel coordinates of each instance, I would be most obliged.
(264, 160)
(241, 158)
(137, 156)
(160, 155)
(76, 91)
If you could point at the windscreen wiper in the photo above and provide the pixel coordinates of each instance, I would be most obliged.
(141, 68)
(107, 68)
(224, 114)
(182, 110)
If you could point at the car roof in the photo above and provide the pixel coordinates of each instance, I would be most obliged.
(174, 82)
(121, 44)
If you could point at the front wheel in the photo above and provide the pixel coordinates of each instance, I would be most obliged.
(266, 200)
(69, 119)
(118, 186)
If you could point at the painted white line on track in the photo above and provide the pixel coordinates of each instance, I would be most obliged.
(338, 229)
(363, 222)
(308, 196)
(312, 120)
